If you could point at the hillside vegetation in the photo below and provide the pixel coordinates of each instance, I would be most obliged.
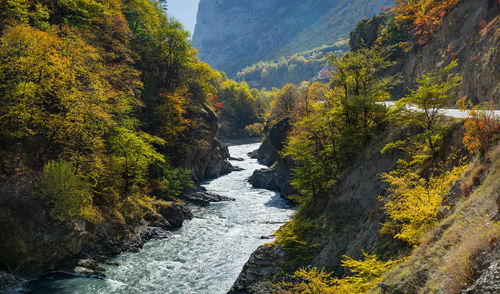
(305, 66)
(107, 116)
(400, 200)
(231, 35)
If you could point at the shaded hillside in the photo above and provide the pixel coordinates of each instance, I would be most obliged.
(233, 34)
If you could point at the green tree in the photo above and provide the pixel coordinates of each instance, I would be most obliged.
(334, 125)
(240, 105)
(131, 154)
(284, 102)
(67, 195)
(422, 108)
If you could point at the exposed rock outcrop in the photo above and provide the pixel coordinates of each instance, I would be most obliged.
(201, 197)
(273, 143)
(262, 265)
(470, 33)
(207, 156)
(9, 284)
(488, 267)
(277, 177)
(33, 243)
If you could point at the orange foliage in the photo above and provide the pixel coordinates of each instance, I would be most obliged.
(425, 15)
(480, 126)
(218, 105)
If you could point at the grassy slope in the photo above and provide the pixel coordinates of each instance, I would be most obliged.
(443, 262)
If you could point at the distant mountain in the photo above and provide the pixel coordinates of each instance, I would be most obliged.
(233, 34)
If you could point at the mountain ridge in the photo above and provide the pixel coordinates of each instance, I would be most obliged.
(231, 35)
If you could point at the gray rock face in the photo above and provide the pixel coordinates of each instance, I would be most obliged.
(262, 266)
(488, 266)
(277, 177)
(274, 142)
(10, 283)
(207, 156)
(461, 36)
(231, 34)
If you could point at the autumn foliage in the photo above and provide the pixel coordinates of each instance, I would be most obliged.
(480, 127)
(96, 94)
(424, 15)
(366, 274)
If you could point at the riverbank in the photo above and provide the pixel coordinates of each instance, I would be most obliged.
(199, 257)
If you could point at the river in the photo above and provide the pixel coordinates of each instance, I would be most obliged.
(205, 256)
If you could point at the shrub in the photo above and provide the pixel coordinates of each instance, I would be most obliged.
(413, 203)
(366, 274)
(294, 237)
(173, 181)
(425, 15)
(481, 126)
(68, 196)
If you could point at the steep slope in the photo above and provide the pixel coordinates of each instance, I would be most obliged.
(461, 250)
(232, 34)
(469, 33)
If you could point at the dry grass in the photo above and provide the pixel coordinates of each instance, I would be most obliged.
(444, 261)
(473, 180)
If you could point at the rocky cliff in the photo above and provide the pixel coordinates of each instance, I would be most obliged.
(232, 34)
(206, 155)
(469, 33)
(277, 177)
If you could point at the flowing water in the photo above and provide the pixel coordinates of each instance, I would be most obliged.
(205, 256)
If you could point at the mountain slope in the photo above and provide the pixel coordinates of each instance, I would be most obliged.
(233, 34)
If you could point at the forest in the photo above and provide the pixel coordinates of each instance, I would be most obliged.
(102, 102)
(98, 102)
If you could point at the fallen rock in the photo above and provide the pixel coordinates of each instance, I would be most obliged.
(90, 268)
(175, 214)
(264, 179)
(236, 158)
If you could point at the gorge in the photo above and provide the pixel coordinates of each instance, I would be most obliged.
(300, 147)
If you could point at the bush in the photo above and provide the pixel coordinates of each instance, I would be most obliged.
(481, 126)
(413, 204)
(68, 196)
(173, 181)
(366, 274)
(294, 237)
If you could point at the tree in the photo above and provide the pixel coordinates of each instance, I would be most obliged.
(131, 154)
(54, 97)
(284, 102)
(332, 128)
(240, 105)
(357, 84)
(422, 107)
